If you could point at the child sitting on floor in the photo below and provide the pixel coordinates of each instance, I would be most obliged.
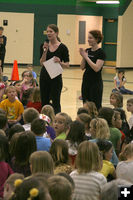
(13, 107)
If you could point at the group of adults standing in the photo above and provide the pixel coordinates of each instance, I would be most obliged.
(92, 63)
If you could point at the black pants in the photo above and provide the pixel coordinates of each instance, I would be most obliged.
(92, 92)
(50, 89)
(2, 57)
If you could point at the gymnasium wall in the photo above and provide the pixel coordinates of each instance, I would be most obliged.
(46, 12)
(125, 39)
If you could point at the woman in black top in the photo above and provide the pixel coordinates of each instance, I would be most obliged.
(51, 88)
(3, 40)
(92, 63)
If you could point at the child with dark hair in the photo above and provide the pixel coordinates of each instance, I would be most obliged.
(3, 121)
(125, 127)
(27, 96)
(106, 148)
(119, 82)
(82, 110)
(59, 188)
(5, 169)
(28, 116)
(130, 109)
(31, 188)
(9, 186)
(38, 126)
(24, 145)
(75, 136)
(85, 119)
(59, 153)
(16, 128)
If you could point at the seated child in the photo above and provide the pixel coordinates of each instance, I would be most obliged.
(106, 148)
(61, 125)
(5, 169)
(9, 186)
(29, 115)
(59, 188)
(38, 126)
(119, 82)
(13, 107)
(36, 100)
(130, 109)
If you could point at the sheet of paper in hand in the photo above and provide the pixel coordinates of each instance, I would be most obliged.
(54, 69)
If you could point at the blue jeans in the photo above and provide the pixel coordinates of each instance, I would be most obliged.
(123, 90)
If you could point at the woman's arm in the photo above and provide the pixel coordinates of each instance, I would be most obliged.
(82, 65)
(63, 64)
(95, 66)
(45, 49)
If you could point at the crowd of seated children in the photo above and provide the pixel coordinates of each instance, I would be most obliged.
(40, 142)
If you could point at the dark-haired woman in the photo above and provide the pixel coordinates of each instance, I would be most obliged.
(92, 63)
(51, 88)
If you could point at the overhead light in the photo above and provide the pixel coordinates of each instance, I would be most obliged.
(107, 2)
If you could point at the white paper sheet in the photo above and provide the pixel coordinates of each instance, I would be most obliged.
(53, 69)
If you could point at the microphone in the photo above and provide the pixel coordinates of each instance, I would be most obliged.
(44, 49)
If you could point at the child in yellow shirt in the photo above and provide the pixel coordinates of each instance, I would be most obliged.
(12, 106)
(106, 148)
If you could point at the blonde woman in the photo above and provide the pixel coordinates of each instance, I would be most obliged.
(124, 168)
(41, 161)
(88, 181)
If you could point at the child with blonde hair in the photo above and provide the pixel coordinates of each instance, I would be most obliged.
(49, 111)
(99, 129)
(41, 161)
(116, 99)
(88, 181)
(92, 109)
(61, 125)
(125, 167)
(13, 107)
(59, 153)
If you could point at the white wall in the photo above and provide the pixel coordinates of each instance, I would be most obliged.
(71, 23)
(125, 38)
(20, 36)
